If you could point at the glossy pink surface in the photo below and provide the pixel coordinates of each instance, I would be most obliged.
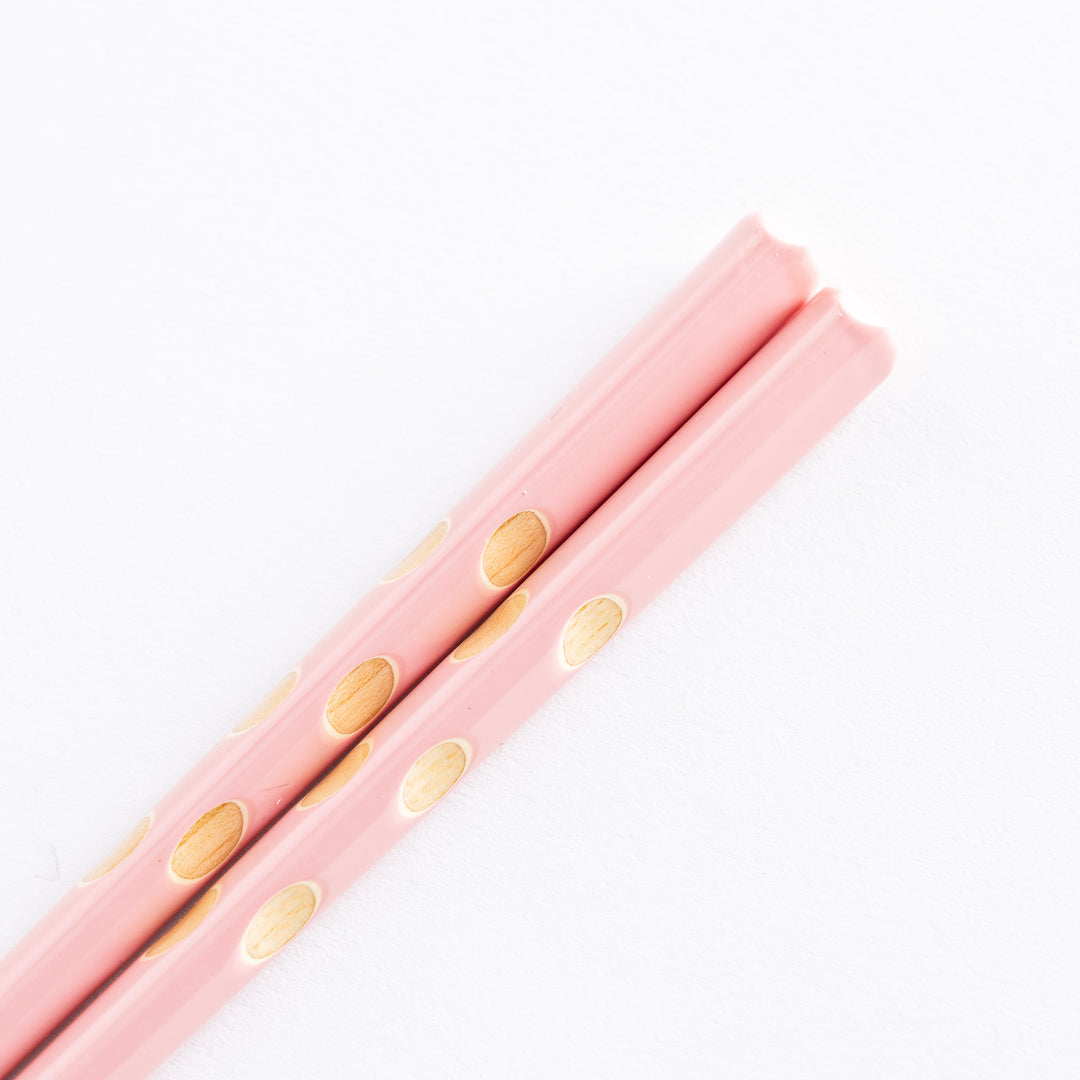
(816, 369)
(728, 307)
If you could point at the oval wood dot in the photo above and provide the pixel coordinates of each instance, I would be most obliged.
(590, 627)
(515, 548)
(421, 553)
(493, 627)
(361, 695)
(121, 852)
(434, 775)
(268, 703)
(338, 777)
(279, 920)
(186, 924)
(209, 842)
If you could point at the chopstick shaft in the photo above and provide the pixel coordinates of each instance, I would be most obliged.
(623, 410)
(805, 380)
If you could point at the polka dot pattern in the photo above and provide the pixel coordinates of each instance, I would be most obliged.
(121, 852)
(279, 920)
(421, 553)
(268, 703)
(590, 628)
(434, 775)
(355, 703)
(493, 627)
(186, 924)
(361, 695)
(209, 842)
(358, 699)
(514, 549)
(338, 777)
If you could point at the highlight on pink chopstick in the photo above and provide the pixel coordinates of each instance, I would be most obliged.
(620, 413)
(817, 368)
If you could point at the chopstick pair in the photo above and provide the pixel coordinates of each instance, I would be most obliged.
(622, 412)
(788, 396)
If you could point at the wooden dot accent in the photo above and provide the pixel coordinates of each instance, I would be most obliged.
(361, 695)
(493, 627)
(279, 920)
(268, 703)
(186, 924)
(434, 775)
(421, 553)
(515, 548)
(590, 627)
(209, 842)
(338, 777)
(121, 852)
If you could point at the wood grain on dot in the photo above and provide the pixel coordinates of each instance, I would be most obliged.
(279, 920)
(268, 703)
(515, 548)
(121, 852)
(338, 777)
(421, 553)
(186, 924)
(361, 695)
(434, 775)
(209, 842)
(590, 627)
(493, 627)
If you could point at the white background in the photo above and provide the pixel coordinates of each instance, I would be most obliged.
(280, 282)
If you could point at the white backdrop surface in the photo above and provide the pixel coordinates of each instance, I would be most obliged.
(279, 282)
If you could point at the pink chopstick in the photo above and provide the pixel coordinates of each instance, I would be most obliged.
(728, 307)
(805, 380)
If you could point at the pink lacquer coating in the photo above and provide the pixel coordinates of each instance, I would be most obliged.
(728, 307)
(816, 369)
